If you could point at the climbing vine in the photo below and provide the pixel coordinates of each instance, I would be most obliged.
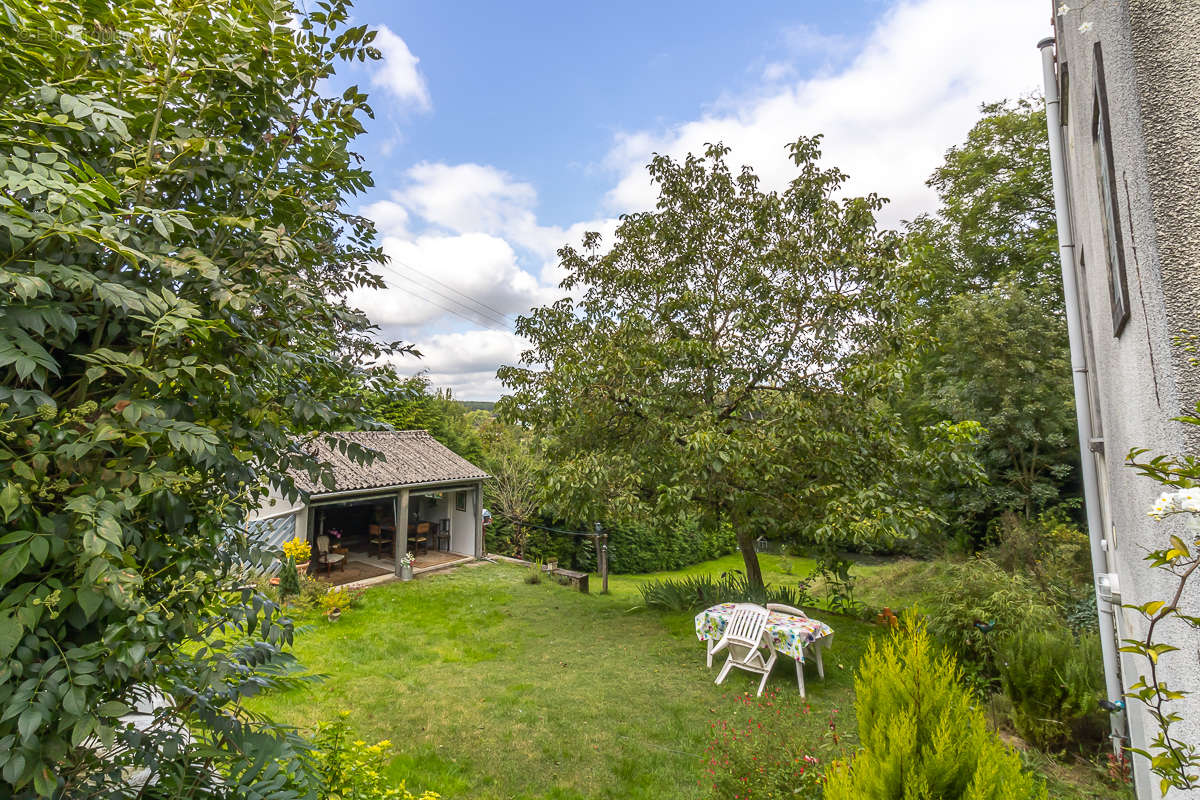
(1176, 762)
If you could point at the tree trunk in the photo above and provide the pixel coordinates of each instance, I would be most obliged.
(745, 540)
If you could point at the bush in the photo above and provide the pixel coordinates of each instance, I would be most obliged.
(1054, 552)
(977, 604)
(534, 574)
(920, 733)
(1054, 681)
(347, 768)
(701, 591)
(289, 578)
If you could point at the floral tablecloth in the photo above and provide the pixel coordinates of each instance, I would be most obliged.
(788, 634)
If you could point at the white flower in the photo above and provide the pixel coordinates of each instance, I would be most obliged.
(1085, 27)
(1189, 499)
(1063, 9)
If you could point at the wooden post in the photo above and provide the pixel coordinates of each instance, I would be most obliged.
(602, 557)
(400, 538)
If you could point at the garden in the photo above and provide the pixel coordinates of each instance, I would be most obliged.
(489, 686)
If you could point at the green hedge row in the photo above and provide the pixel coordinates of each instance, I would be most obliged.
(633, 548)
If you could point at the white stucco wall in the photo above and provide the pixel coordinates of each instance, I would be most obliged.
(1151, 57)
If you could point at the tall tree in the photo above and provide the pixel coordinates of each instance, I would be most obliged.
(701, 344)
(990, 314)
(174, 259)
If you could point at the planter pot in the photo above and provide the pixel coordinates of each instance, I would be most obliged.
(406, 573)
(302, 568)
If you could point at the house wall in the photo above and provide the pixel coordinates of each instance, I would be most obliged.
(462, 524)
(1140, 380)
(275, 503)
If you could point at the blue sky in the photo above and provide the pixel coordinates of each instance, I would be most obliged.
(503, 131)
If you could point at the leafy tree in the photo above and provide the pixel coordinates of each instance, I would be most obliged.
(173, 262)
(703, 345)
(408, 404)
(988, 315)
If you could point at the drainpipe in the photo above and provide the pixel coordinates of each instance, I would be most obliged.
(1083, 411)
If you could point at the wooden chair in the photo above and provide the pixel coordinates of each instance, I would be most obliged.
(745, 635)
(379, 538)
(421, 540)
(443, 535)
(327, 559)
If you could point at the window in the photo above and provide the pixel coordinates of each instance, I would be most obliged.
(460, 501)
(1110, 217)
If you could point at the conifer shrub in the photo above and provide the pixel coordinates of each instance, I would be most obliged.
(920, 733)
(289, 579)
(1054, 680)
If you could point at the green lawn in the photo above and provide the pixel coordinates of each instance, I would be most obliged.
(490, 687)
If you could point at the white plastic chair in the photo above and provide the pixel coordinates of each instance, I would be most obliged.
(744, 637)
(812, 648)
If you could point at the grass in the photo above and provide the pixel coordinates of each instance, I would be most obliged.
(490, 687)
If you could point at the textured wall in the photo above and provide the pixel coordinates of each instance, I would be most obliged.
(1151, 52)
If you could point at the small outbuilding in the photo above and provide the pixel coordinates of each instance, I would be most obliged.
(416, 497)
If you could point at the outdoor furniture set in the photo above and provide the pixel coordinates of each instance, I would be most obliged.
(754, 636)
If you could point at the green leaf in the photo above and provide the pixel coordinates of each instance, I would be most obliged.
(113, 708)
(10, 635)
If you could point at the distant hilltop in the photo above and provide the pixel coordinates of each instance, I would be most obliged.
(478, 405)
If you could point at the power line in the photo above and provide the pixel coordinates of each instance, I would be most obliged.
(493, 319)
(431, 301)
(426, 275)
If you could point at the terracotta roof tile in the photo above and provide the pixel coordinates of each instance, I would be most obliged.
(405, 458)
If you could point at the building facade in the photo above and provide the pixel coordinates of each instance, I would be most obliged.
(1126, 77)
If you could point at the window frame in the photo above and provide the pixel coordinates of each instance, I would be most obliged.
(1110, 214)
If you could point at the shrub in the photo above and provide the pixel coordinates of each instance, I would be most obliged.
(347, 768)
(920, 733)
(534, 574)
(1049, 549)
(977, 604)
(1054, 680)
(701, 591)
(289, 579)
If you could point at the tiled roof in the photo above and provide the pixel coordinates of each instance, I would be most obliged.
(405, 458)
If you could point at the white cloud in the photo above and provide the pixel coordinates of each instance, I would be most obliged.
(398, 72)
(888, 116)
(456, 279)
(467, 361)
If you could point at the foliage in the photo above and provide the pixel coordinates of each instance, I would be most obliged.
(408, 404)
(717, 354)
(988, 317)
(533, 574)
(701, 591)
(749, 759)
(174, 263)
(511, 458)
(640, 547)
(1175, 761)
(1055, 681)
(977, 604)
(348, 768)
(1050, 549)
(337, 598)
(920, 733)
(838, 584)
(289, 578)
(297, 549)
